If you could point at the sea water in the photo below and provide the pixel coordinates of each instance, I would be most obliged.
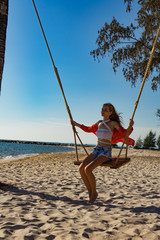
(9, 150)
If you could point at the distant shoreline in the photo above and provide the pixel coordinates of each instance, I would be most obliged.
(43, 143)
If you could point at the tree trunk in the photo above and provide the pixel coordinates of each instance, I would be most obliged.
(3, 27)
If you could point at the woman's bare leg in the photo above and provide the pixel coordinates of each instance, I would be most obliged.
(82, 171)
(90, 177)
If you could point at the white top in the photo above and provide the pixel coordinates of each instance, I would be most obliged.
(104, 132)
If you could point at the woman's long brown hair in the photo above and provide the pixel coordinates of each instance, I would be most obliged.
(114, 116)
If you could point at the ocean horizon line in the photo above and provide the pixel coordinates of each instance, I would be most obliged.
(42, 143)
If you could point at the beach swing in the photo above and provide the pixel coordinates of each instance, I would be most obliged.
(118, 161)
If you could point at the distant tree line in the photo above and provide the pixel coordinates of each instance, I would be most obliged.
(149, 142)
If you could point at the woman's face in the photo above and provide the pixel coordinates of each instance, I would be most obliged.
(106, 112)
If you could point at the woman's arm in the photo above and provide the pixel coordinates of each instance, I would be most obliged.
(88, 129)
(75, 124)
(119, 134)
(117, 126)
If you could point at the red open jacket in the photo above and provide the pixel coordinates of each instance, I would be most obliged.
(118, 135)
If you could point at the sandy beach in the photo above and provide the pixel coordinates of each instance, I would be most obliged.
(43, 197)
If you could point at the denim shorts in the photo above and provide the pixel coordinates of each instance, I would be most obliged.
(102, 151)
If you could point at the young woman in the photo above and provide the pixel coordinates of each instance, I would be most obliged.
(108, 131)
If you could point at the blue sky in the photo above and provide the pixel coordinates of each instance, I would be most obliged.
(31, 103)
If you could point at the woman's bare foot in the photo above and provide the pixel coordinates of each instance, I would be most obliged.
(90, 195)
(93, 197)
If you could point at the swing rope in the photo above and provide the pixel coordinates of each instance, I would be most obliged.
(65, 100)
(60, 84)
(139, 95)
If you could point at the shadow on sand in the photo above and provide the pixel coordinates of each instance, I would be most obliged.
(44, 196)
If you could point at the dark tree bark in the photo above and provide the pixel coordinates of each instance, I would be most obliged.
(3, 28)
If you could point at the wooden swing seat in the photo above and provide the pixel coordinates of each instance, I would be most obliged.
(111, 163)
